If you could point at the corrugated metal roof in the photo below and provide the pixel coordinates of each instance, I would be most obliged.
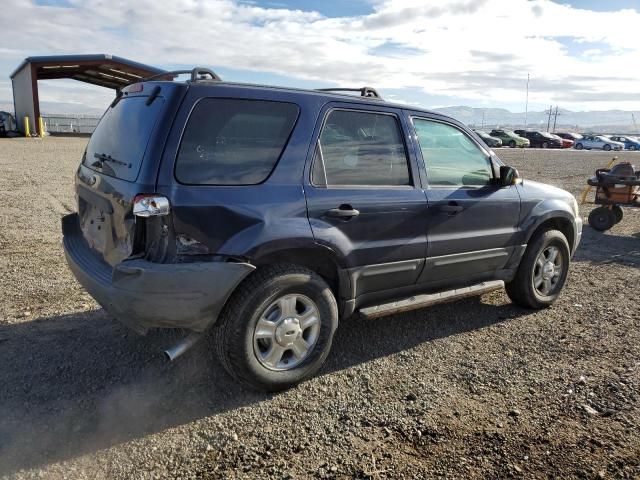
(101, 69)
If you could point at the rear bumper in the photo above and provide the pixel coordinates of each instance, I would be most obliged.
(145, 295)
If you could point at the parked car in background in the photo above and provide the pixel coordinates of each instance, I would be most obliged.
(598, 142)
(509, 138)
(569, 135)
(566, 143)
(630, 143)
(200, 209)
(540, 139)
(490, 141)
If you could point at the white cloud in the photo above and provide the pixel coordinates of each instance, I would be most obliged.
(471, 49)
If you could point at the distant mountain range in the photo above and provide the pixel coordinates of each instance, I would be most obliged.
(602, 121)
(607, 120)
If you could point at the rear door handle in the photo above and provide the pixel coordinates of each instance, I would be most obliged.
(451, 208)
(343, 211)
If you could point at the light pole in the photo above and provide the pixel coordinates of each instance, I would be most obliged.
(526, 104)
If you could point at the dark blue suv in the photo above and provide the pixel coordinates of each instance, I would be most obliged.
(267, 214)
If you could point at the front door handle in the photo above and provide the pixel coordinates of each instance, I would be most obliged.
(451, 208)
(343, 211)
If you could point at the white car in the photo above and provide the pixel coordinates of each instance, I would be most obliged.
(599, 142)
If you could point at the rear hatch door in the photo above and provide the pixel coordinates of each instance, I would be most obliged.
(121, 161)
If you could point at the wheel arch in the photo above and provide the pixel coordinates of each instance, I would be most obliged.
(321, 260)
(556, 222)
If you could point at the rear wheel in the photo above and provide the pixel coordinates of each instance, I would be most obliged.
(602, 218)
(277, 328)
(578, 146)
(545, 144)
(512, 143)
(632, 147)
(607, 147)
(542, 272)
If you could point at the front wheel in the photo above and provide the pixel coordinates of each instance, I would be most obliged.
(578, 146)
(542, 272)
(545, 145)
(512, 143)
(617, 212)
(607, 147)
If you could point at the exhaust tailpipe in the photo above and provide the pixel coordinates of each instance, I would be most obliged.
(182, 346)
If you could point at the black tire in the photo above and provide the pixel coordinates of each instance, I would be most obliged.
(617, 212)
(602, 218)
(606, 147)
(545, 144)
(234, 332)
(521, 289)
(632, 147)
(578, 146)
(512, 143)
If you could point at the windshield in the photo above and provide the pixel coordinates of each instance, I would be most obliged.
(120, 140)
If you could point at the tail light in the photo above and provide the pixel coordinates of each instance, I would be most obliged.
(150, 205)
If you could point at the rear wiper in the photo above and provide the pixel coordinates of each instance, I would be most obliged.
(103, 157)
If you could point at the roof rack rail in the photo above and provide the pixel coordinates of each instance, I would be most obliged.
(197, 73)
(368, 92)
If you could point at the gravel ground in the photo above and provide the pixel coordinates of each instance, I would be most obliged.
(476, 388)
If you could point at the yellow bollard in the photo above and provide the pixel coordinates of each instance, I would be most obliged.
(27, 130)
(41, 125)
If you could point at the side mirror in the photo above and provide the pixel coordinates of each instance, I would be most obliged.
(508, 176)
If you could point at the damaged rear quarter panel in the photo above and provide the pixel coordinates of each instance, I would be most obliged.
(244, 221)
(240, 221)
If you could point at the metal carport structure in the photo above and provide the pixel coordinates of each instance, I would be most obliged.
(102, 69)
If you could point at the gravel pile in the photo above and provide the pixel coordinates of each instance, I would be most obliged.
(476, 388)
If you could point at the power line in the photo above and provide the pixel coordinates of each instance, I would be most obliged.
(555, 118)
(549, 113)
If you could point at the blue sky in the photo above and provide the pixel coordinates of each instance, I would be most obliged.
(603, 5)
(431, 53)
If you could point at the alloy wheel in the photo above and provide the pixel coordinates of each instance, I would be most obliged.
(547, 271)
(286, 332)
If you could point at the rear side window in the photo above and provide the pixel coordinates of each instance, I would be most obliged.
(120, 140)
(234, 142)
(360, 148)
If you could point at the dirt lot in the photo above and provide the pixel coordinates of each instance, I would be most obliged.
(477, 388)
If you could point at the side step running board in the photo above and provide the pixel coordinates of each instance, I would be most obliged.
(421, 301)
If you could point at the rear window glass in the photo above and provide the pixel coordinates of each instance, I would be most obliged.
(360, 148)
(120, 140)
(234, 142)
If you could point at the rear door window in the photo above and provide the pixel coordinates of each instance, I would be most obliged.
(233, 142)
(361, 148)
(120, 140)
